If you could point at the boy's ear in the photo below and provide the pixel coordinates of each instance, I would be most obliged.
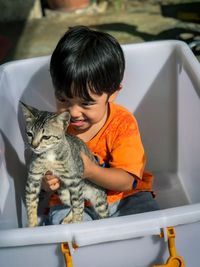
(114, 95)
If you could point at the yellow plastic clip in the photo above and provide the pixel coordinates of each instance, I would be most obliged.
(66, 250)
(174, 260)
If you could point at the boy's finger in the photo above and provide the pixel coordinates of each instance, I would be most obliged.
(55, 185)
(49, 177)
(53, 181)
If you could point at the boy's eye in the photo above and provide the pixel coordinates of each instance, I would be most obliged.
(59, 97)
(61, 100)
(87, 104)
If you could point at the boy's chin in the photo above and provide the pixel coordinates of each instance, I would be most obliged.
(80, 128)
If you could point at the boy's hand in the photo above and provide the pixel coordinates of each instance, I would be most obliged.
(114, 179)
(88, 165)
(50, 182)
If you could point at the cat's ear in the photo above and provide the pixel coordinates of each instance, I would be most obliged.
(28, 111)
(64, 117)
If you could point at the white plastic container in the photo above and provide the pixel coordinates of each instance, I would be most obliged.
(162, 89)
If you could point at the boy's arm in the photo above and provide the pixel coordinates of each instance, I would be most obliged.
(114, 179)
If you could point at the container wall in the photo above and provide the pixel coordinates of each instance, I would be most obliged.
(162, 91)
(140, 252)
(189, 128)
(156, 88)
(150, 92)
(26, 80)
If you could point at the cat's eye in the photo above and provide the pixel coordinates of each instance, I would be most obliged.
(29, 134)
(46, 137)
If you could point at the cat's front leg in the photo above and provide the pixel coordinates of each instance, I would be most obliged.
(33, 187)
(66, 200)
(77, 201)
(73, 187)
(72, 199)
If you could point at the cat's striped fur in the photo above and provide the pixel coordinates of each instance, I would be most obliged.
(58, 152)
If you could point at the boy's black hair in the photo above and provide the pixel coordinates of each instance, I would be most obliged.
(84, 61)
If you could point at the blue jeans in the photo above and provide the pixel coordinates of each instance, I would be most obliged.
(137, 203)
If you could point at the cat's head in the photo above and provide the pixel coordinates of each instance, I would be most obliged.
(44, 129)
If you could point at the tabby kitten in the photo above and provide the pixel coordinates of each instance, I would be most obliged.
(59, 152)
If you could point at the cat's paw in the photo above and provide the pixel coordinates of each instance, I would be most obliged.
(33, 221)
(32, 215)
(77, 218)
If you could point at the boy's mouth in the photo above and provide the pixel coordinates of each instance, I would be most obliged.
(77, 123)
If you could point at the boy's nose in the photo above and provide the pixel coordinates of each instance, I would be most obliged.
(75, 111)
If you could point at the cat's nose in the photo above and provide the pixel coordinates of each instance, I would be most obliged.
(35, 144)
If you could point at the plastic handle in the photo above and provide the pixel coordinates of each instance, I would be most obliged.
(65, 248)
(68, 258)
(174, 260)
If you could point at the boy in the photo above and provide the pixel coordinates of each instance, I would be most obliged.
(87, 68)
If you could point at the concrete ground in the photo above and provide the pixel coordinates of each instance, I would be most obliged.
(140, 21)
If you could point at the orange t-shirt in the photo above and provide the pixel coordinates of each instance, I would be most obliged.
(118, 144)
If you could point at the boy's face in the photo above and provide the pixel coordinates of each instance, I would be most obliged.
(86, 114)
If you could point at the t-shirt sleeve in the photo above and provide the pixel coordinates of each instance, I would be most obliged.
(127, 149)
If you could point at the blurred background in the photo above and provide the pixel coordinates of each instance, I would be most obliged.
(31, 28)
